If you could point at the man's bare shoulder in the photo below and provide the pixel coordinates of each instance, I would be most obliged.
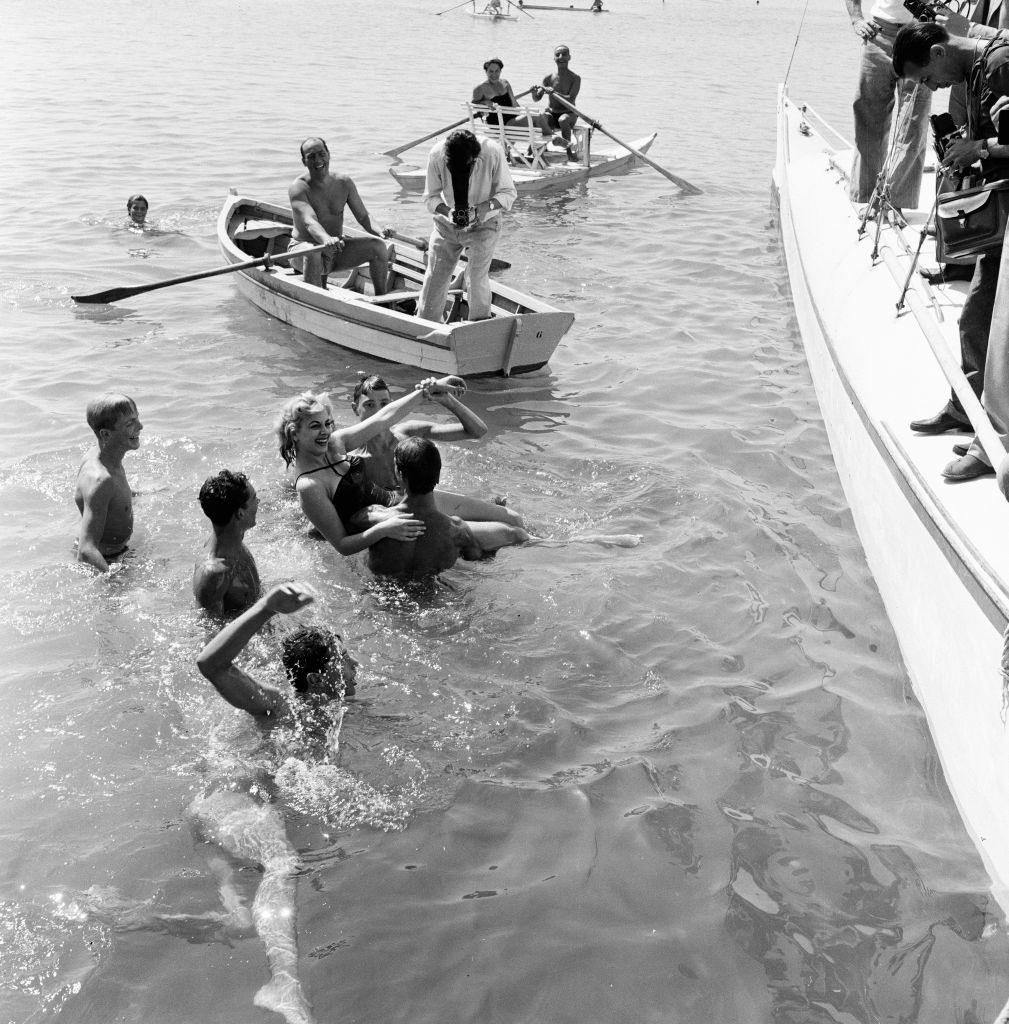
(210, 578)
(94, 476)
(299, 187)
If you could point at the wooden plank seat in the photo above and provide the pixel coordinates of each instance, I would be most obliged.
(521, 139)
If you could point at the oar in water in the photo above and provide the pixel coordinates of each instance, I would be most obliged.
(420, 243)
(457, 6)
(679, 182)
(438, 131)
(523, 10)
(115, 294)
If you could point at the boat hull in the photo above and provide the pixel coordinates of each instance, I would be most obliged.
(527, 180)
(933, 550)
(506, 344)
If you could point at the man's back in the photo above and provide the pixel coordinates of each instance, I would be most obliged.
(443, 541)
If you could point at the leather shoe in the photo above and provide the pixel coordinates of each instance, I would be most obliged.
(967, 468)
(960, 450)
(939, 424)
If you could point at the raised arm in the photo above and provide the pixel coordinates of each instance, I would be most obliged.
(470, 425)
(316, 504)
(93, 517)
(216, 660)
(359, 434)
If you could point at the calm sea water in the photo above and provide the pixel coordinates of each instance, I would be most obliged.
(682, 782)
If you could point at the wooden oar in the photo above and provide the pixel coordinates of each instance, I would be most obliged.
(685, 186)
(115, 294)
(438, 131)
(421, 243)
(522, 9)
(457, 6)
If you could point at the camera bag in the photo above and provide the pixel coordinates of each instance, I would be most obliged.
(973, 221)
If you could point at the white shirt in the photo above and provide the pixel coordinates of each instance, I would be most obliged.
(893, 11)
(489, 178)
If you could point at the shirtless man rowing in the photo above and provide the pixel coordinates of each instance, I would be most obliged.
(318, 199)
(226, 578)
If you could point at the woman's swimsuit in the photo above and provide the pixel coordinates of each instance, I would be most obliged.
(354, 491)
(501, 100)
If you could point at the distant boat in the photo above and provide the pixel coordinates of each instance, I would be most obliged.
(938, 551)
(492, 13)
(534, 163)
(571, 8)
(521, 335)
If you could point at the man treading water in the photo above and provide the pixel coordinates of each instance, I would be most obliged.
(103, 494)
(445, 539)
(226, 578)
(316, 663)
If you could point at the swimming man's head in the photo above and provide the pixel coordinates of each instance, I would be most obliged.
(226, 495)
(418, 463)
(317, 662)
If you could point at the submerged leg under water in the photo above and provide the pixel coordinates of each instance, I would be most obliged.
(254, 831)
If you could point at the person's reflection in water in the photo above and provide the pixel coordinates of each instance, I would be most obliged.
(831, 936)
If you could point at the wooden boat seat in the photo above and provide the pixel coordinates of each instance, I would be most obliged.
(391, 298)
(521, 140)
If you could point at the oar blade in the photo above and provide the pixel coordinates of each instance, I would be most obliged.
(111, 295)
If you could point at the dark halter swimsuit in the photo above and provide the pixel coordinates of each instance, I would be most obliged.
(354, 492)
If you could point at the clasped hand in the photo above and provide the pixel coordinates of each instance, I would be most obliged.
(961, 153)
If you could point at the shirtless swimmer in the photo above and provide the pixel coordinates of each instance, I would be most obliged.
(103, 495)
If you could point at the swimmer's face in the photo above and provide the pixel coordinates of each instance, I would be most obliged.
(126, 433)
(250, 508)
(371, 402)
(314, 430)
(138, 211)
(339, 675)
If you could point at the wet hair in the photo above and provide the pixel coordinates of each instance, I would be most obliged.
(221, 496)
(493, 60)
(105, 412)
(418, 462)
(136, 199)
(291, 416)
(914, 43)
(305, 650)
(312, 138)
(365, 386)
(462, 147)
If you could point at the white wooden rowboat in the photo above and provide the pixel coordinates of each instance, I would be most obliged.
(938, 551)
(520, 336)
(569, 8)
(558, 173)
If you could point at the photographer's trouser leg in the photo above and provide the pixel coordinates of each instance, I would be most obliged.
(442, 257)
(996, 367)
(975, 323)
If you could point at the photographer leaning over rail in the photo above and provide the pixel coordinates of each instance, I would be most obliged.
(878, 93)
(925, 53)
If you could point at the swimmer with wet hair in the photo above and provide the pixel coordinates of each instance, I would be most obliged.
(102, 494)
(226, 578)
(445, 539)
(137, 207)
(315, 660)
(371, 396)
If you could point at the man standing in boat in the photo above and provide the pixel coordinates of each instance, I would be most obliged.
(566, 84)
(318, 199)
(882, 100)
(925, 53)
(468, 185)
